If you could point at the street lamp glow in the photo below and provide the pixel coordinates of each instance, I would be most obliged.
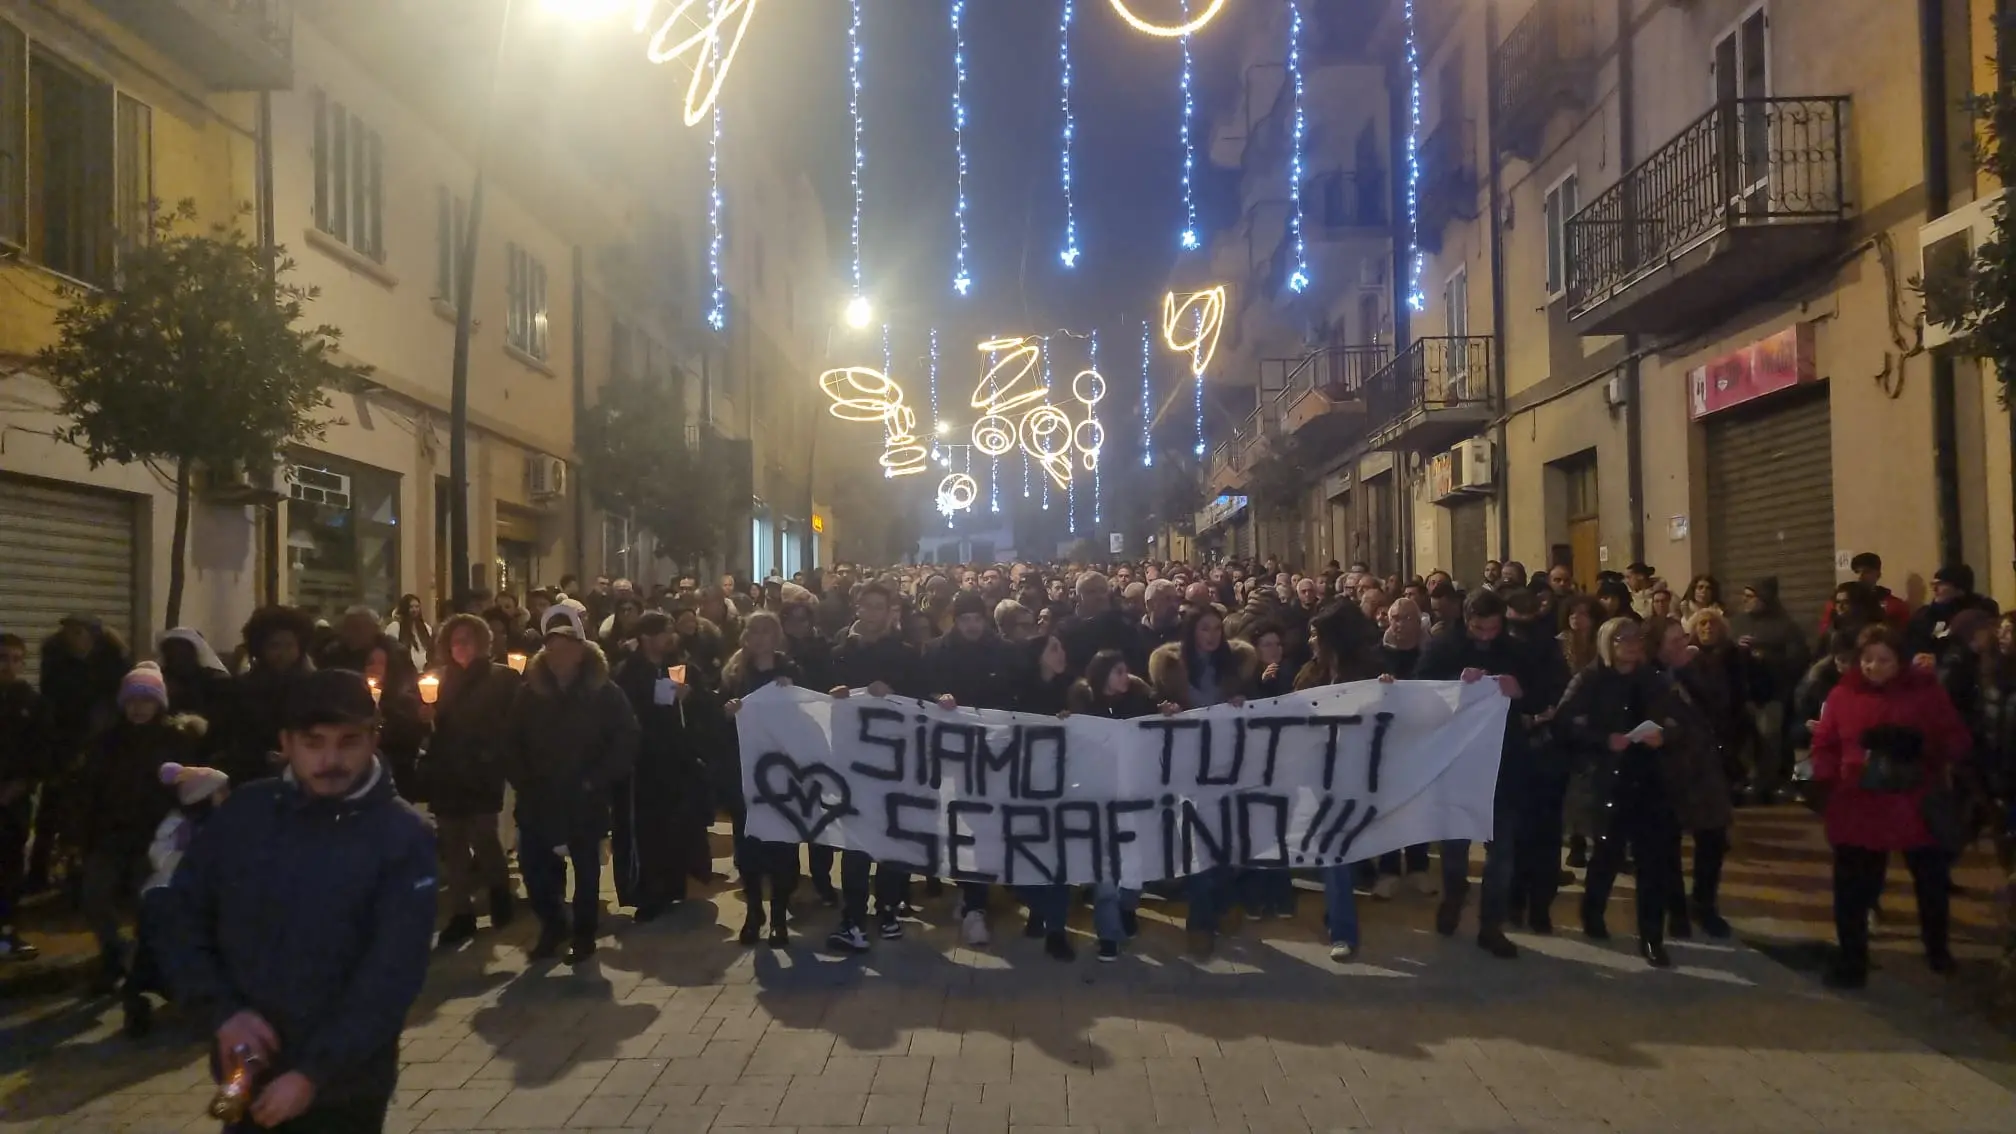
(944, 427)
(587, 10)
(859, 312)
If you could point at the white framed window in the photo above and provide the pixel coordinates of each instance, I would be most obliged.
(451, 220)
(1456, 301)
(525, 292)
(1563, 200)
(1740, 66)
(1453, 381)
(349, 176)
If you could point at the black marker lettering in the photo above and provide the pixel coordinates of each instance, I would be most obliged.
(1385, 721)
(1118, 834)
(954, 744)
(1086, 831)
(1194, 831)
(1252, 803)
(1204, 776)
(894, 744)
(925, 840)
(1169, 727)
(987, 759)
(955, 838)
(1043, 749)
(1016, 838)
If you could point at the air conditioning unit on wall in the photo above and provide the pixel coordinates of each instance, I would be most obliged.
(1946, 248)
(545, 477)
(1473, 465)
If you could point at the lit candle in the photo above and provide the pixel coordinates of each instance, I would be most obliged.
(375, 691)
(515, 661)
(430, 688)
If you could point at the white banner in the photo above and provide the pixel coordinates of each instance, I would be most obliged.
(1338, 774)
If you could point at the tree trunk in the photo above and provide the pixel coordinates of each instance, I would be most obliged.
(178, 548)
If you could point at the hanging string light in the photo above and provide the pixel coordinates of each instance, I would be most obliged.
(1070, 253)
(1071, 487)
(1098, 431)
(1298, 281)
(937, 423)
(1147, 402)
(1199, 384)
(993, 399)
(1416, 262)
(1189, 238)
(717, 309)
(962, 279)
(854, 112)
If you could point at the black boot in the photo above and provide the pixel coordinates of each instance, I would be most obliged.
(1655, 955)
(780, 936)
(581, 949)
(501, 907)
(139, 1016)
(460, 930)
(1592, 922)
(1712, 922)
(1058, 946)
(1492, 940)
(752, 925)
(552, 935)
(1449, 914)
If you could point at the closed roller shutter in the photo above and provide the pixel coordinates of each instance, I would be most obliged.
(1468, 540)
(1771, 502)
(63, 551)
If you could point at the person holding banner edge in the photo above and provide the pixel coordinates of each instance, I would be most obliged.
(1482, 649)
(872, 657)
(761, 661)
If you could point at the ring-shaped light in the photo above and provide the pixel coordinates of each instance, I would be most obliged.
(717, 43)
(1169, 31)
(993, 435)
(957, 492)
(1089, 387)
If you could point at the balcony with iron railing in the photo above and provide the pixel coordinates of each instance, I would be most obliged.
(1546, 64)
(1432, 395)
(232, 45)
(1447, 189)
(1322, 401)
(1749, 193)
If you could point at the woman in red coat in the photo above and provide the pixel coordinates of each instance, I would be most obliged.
(1887, 735)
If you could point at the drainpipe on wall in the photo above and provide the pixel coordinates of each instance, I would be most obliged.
(1634, 409)
(2005, 74)
(275, 544)
(580, 348)
(1933, 106)
(1498, 457)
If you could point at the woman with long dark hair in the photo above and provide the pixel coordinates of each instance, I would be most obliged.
(409, 628)
(761, 661)
(1201, 669)
(1344, 647)
(1704, 593)
(1109, 690)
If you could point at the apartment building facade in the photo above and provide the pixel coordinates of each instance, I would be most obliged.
(328, 117)
(1665, 301)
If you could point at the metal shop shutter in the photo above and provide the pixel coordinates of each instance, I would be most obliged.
(1469, 542)
(1771, 502)
(63, 550)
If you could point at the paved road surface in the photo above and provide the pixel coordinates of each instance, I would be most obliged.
(677, 1029)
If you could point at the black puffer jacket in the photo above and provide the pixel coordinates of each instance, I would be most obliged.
(462, 771)
(260, 696)
(1448, 655)
(78, 692)
(977, 674)
(564, 749)
(859, 662)
(123, 796)
(315, 913)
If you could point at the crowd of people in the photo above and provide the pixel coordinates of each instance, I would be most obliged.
(1641, 717)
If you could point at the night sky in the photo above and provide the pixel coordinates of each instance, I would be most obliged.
(791, 84)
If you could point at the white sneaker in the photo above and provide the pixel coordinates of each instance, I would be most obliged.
(1424, 883)
(973, 929)
(1343, 951)
(1386, 887)
(848, 939)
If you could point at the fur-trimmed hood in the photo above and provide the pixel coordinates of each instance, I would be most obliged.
(594, 673)
(1170, 677)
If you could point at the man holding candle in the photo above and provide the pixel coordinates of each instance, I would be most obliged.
(661, 814)
(467, 701)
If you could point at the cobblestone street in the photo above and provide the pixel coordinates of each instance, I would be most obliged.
(676, 1028)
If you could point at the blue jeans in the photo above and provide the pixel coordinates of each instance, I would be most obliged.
(1109, 901)
(1210, 894)
(1048, 906)
(1340, 903)
(546, 878)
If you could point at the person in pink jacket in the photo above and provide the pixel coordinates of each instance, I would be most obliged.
(1888, 734)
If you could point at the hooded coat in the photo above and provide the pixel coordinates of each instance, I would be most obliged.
(1912, 700)
(565, 748)
(77, 692)
(1169, 673)
(209, 692)
(316, 913)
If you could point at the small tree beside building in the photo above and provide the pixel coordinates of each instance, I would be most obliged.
(193, 360)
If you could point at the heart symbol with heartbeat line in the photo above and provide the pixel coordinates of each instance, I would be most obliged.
(810, 797)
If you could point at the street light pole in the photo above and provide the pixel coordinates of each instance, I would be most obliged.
(458, 375)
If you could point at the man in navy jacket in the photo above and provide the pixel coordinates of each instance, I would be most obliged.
(301, 917)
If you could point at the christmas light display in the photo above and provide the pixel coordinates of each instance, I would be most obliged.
(864, 394)
(717, 40)
(956, 493)
(1170, 31)
(860, 300)
(997, 394)
(1416, 263)
(1205, 312)
(1298, 280)
(962, 279)
(717, 309)
(937, 423)
(1070, 253)
(1189, 238)
(1147, 400)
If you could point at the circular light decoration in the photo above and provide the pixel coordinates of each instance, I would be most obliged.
(1090, 437)
(1089, 387)
(957, 492)
(1204, 311)
(1046, 435)
(904, 460)
(998, 393)
(1169, 31)
(860, 393)
(715, 36)
(993, 435)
